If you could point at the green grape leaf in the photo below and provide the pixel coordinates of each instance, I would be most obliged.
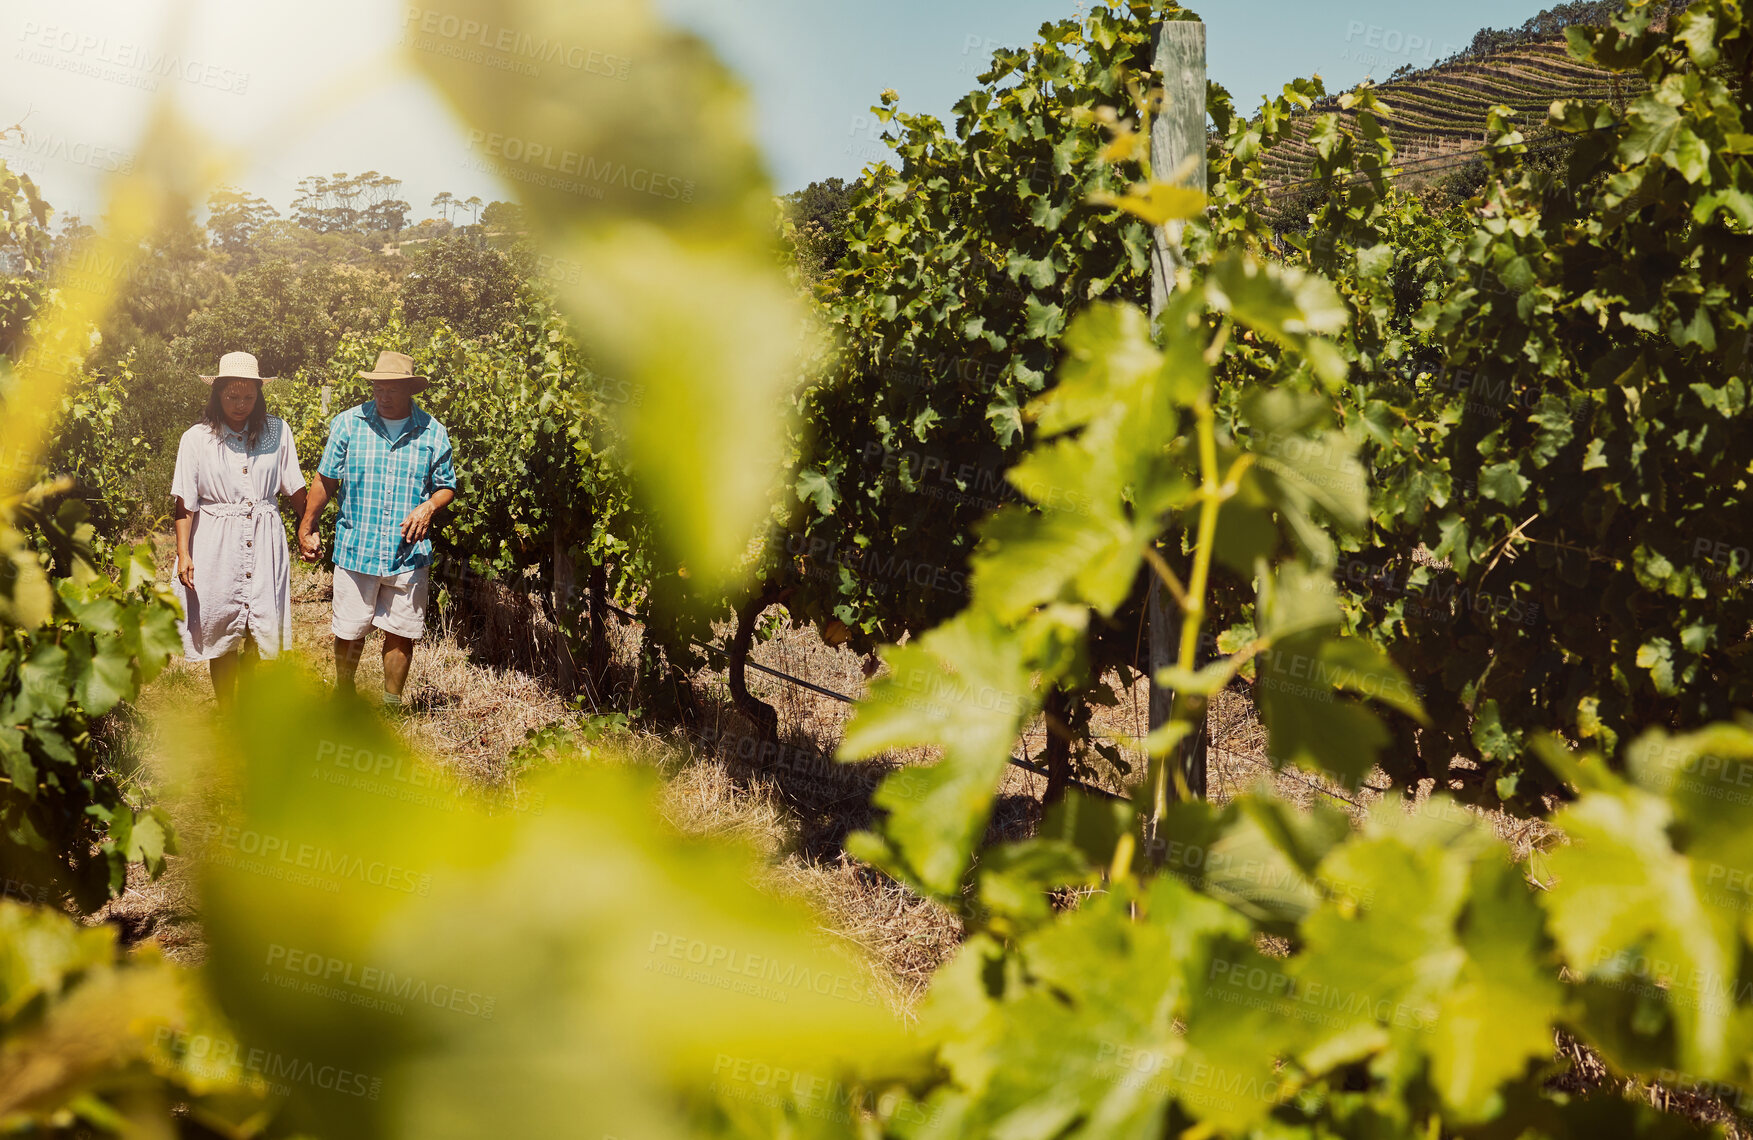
(1015, 879)
(1624, 897)
(1657, 656)
(1158, 203)
(149, 838)
(1100, 1047)
(964, 688)
(16, 762)
(1042, 320)
(1245, 858)
(53, 744)
(1112, 369)
(41, 950)
(1353, 665)
(28, 599)
(104, 678)
(1504, 482)
(816, 488)
(1383, 951)
(1246, 529)
(1028, 559)
(1498, 1015)
(99, 615)
(1296, 600)
(1284, 304)
(1229, 1075)
(42, 686)
(1091, 824)
(159, 641)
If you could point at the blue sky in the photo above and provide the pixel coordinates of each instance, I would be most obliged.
(335, 93)
(816, 66)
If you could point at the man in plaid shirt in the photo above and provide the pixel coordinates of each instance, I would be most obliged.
(389, 464)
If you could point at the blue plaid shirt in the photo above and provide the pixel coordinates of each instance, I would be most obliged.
(382, 480)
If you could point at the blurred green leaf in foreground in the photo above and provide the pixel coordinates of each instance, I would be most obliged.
(642, 170)
(425, 961)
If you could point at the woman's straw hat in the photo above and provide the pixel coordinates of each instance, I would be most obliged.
(238, 366)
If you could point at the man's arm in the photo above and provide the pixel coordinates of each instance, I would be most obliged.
(442, 478)
(322, 489)
(419, 520)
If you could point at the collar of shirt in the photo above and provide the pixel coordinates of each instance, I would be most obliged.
(416, 421)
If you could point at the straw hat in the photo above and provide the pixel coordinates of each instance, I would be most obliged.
(396, 366)
(238, 366)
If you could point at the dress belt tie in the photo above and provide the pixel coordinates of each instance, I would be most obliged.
(240, 510)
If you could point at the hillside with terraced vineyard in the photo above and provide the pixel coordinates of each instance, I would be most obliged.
(1440, 112)
(1437, 116)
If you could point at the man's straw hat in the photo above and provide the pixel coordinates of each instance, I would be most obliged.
(396, 366)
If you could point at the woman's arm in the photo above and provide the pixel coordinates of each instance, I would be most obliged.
(292, 483)
(185, 557)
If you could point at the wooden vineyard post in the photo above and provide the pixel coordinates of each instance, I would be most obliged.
(597, 667)
(1177, 134)
(565, 595)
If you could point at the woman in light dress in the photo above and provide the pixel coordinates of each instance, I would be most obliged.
(234, 573)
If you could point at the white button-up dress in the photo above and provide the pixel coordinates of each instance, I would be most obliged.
(243, 568)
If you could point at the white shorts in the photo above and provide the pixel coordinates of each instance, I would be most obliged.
(394, 603)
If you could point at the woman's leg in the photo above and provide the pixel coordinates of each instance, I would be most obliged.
(249, 655)
(225, 671)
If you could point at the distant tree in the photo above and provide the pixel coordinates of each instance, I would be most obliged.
(388, 216)
(316, 208)
(504, 216)
(444, 203)
(234, 218)
(463, 281)
(25, 249)
(351, 203)
(346, 193)
(473, 205)
(290, 315)
(816, 217)
(73, 230)
(383, 210)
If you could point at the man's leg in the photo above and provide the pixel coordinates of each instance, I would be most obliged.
(355, 598)
(401, 614)
(347, 663)
(398, 656)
